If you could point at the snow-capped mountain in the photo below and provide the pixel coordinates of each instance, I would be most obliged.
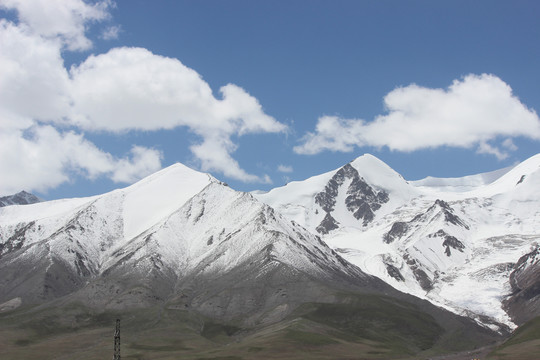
(20, 198)
(181, 246)
(178, 236)
(455, 242)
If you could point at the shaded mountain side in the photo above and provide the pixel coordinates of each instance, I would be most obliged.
(222, 253)
(524, 302)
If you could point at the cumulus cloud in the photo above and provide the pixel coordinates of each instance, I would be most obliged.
(61, 20)
(41, 157)
(285, 168)
(126, 89)
(214, 154)
(37, 151)
(33, 81)
(134, 89)
(473, 112)
(143, 161)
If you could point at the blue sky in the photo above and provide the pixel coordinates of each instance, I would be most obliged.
(259, 93)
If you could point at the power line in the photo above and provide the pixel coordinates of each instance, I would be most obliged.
(117, 341)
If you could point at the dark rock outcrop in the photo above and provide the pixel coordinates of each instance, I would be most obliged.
(394, 272)
(449, 215)
(362, 200)
(449, 241)
(399, 228)
(420, 275)
(328, 224)
(524, 302)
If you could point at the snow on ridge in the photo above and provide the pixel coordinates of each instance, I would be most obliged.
(484, 185)
(460, 184)
(381, 176)
(16, 214)
(295, 199)
(517, 175)
(376, 172)
(156, 196)
(500, 208)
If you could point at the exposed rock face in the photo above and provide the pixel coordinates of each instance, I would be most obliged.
(419, 274)
(524, 302)
(439, 215)
(394, 272)
(449, 241)
(399, 228)
(328, 224)
(449, 215)
(16, 240)
(362, 200)
(21, 198)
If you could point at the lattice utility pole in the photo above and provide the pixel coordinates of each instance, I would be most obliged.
(117, 341)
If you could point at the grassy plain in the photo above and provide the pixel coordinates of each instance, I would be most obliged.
(361, 327)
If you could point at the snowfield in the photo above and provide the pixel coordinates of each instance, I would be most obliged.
(491, 221)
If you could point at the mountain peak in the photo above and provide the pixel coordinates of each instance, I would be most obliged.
(159, 194)
(20, 198)
(176, 170)
(368, 160)
(380, 175)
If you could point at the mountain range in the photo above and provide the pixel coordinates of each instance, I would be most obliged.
(455, 242)
(354, 256)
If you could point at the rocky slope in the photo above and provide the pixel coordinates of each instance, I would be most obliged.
(179, 237)
(182, 245)
(455, 242)
(523, 302)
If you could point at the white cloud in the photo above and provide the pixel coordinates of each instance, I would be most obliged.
(214, 154)
(63, 20)
(468, 114)
(42, 158)
(285, 168)
(133, 89)
(509, 144)
(485, 148)
(334, 134)
(126, 89)
(111, 33)
(36, 103)
(33, 81)
(143, 162)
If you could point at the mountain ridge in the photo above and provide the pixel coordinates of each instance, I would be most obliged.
(187, 245)
(481, 215)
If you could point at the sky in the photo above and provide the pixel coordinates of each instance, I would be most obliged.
(95, 95)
